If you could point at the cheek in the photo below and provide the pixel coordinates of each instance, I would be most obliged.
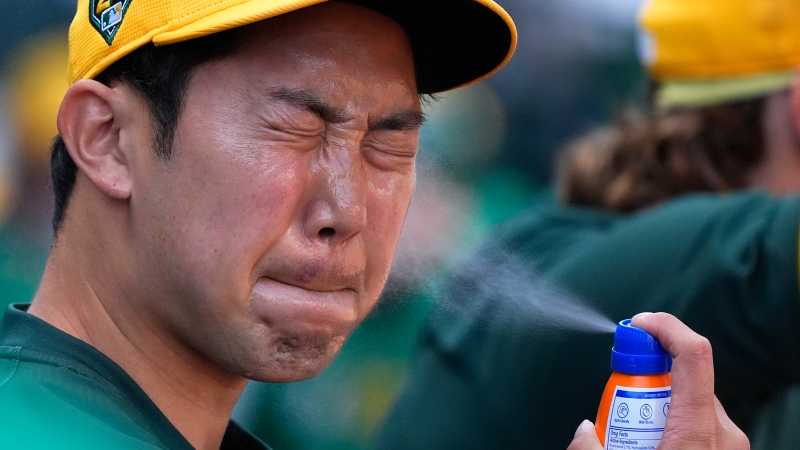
(236, 212)
(388, 202)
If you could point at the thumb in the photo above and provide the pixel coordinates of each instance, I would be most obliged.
(585, 438)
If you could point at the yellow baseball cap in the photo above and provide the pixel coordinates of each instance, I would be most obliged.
(713, 51)
(455, 42)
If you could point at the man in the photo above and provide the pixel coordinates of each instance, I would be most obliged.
(227, 208)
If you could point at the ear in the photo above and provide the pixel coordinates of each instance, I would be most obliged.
(91, 131)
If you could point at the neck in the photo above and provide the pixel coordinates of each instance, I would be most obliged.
(85, 298)
(779, 170)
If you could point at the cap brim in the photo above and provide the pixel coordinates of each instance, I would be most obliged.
(455, 42)
(698, 93)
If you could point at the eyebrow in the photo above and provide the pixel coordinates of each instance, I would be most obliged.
(404, 120)
(310, 100)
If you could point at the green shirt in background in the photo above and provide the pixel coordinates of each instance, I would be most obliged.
(23, 256)
(492, 373)
(57, 392)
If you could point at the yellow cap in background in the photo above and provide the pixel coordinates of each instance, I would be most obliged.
(455, 42)
(38, 82)
(712, 51)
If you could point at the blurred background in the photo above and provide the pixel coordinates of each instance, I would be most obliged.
(33, 78)
(486, 154)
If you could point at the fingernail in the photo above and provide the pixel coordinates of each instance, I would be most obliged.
(585, 426)
(642, 315)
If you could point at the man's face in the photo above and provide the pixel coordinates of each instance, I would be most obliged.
(268, 235)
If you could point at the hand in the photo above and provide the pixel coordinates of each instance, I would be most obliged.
(696, 419)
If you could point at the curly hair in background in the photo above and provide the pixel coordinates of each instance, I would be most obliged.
(644, 159)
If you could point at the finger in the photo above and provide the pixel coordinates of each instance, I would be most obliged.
(693, 369)
(674, 335)
(585, 438)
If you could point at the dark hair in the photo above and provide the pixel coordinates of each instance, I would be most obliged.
(161, 75)
(643, 160)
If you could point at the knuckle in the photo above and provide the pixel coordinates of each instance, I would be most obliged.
(700, 348)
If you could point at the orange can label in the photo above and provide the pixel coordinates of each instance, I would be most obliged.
(636, 418)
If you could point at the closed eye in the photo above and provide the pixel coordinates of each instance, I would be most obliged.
(399, 121)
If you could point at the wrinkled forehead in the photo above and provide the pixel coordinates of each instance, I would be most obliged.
(342, 29)
(344, 49)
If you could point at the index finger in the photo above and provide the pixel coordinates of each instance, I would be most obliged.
(693, 369)
(673, 334)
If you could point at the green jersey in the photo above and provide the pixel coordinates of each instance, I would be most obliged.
(58, 392)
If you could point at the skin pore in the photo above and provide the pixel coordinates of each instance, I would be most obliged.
(266, 237)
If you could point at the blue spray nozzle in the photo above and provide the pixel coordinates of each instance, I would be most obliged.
(637, 352)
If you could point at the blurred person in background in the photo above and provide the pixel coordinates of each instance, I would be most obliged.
(691, 209)
(36, 83)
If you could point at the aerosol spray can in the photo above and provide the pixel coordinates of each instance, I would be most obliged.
(636, 399)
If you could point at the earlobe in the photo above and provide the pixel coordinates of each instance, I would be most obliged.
(89, 127)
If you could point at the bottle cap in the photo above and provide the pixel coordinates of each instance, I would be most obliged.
(637, 352)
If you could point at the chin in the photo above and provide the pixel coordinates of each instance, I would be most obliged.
(297, 359)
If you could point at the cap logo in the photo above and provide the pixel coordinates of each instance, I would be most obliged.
(106, 16)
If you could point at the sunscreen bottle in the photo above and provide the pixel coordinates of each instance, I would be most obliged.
(636, 399)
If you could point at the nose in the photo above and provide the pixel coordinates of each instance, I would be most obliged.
(337, 208)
